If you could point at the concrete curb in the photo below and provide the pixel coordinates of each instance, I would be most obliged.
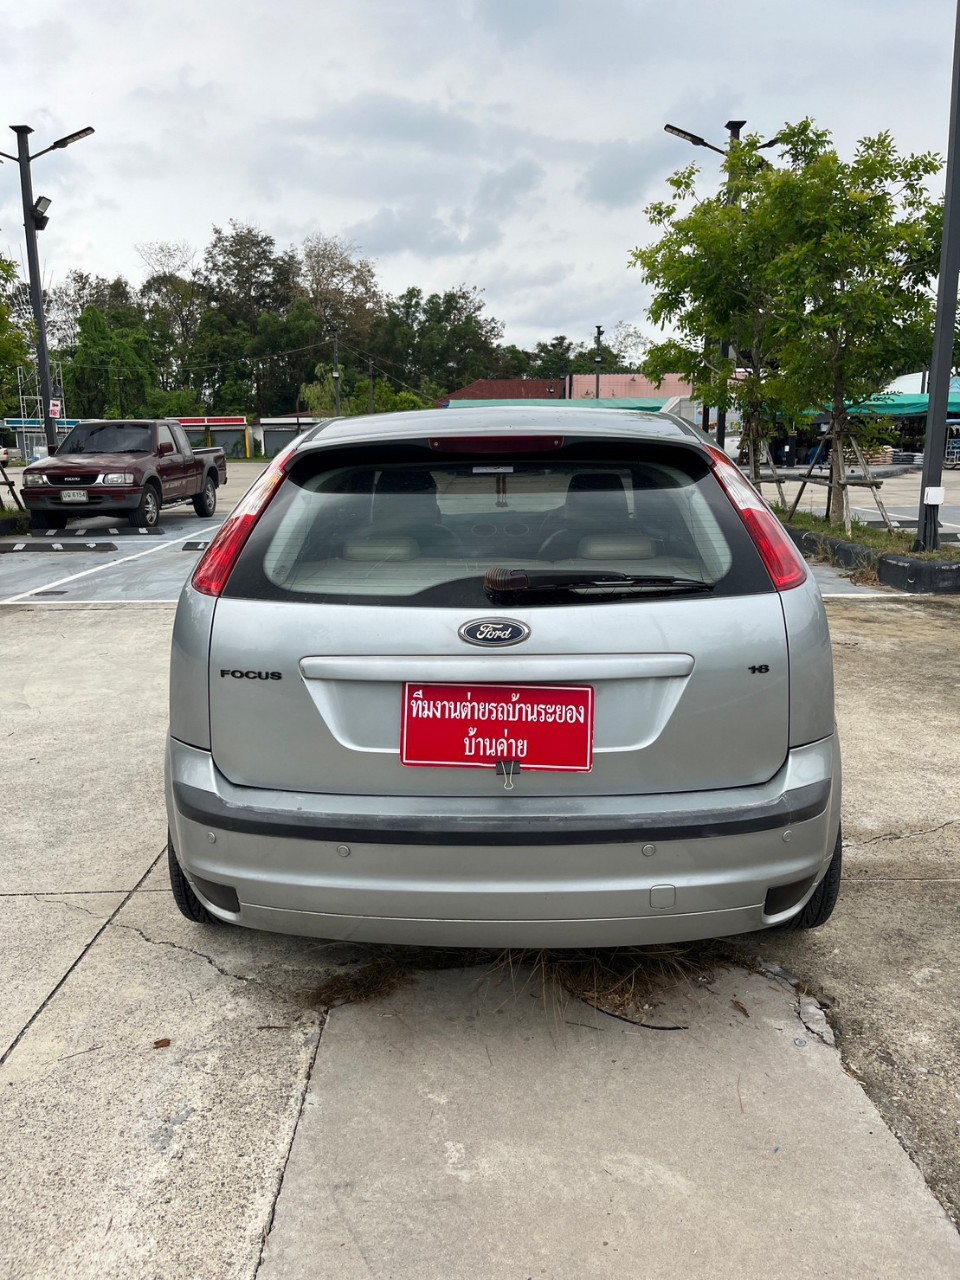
(902, 572)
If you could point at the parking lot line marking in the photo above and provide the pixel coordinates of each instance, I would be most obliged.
(101, 568)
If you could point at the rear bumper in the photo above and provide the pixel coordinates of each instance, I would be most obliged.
(508, 872)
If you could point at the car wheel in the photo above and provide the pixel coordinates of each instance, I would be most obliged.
(205, 503)
(183, 895)
(820, 907)
(146, 515)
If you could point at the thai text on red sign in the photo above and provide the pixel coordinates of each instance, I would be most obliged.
(541, 727)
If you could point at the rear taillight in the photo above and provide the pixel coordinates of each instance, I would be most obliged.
(783, 562)
(217, 562)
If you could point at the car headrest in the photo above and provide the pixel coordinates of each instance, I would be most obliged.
(405, 495)
(596, 495)
(405, 481)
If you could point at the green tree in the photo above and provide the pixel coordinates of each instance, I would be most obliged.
(257, 335)
(437, 343)
(816, 271)
(386, 399)
(320, 396)
(561, 356)
(112, 371)
(172, 299)
(66, 302)
(245, 276)
(855, 274)
(715, 280)
(511, 362)
(14, 350)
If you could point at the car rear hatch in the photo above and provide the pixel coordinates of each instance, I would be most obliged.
(632, 643)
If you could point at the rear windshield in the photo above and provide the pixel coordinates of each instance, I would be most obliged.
(109, 437)
(405, 530)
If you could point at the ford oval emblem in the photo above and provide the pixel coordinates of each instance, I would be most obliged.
(494, 632)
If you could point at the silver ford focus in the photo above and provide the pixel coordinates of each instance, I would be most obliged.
(503, 677)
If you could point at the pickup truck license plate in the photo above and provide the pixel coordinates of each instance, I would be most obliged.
(541, 727)
(73, 495)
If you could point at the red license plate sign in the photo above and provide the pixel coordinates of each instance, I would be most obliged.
(544, 727)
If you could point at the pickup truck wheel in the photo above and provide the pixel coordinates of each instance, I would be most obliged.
(146, 515)
(187, 901)
(205, 503)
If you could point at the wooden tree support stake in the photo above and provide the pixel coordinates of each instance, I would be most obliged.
(843, 440)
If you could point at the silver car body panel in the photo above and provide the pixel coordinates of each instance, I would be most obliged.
(190, 669)
(526, 872)
(812, 713)
(677, 706)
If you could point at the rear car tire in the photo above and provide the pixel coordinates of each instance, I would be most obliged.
(819, 909)
(147, 513)
(183, 894)
(205, 502)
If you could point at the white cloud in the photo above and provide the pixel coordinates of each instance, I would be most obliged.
(508, 145)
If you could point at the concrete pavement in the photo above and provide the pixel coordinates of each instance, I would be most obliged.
(174, 1096)
(480, 1127)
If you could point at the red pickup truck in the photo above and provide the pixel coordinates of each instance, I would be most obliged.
(129, 468)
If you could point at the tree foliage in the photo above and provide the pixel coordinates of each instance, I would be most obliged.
(245, 326)
(13, 340)
(817, 271)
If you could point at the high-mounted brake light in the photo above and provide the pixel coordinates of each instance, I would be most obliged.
(496, 444)
(783, 562)
(212, 573)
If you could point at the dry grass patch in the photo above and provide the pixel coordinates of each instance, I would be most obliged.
(626, 982)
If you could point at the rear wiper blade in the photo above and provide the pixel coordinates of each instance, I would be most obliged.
(514, 582)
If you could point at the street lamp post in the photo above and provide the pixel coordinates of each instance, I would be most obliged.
(34, 220)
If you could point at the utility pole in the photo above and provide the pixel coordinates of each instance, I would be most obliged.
(597, 359)
(941, 365)
(336, 372)
(370, 374)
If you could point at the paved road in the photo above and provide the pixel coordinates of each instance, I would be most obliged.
(110, 562)
(176, 1098)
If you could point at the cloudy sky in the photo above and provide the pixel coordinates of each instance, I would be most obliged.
(508, 144)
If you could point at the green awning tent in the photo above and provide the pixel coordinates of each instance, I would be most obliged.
(903, 406)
